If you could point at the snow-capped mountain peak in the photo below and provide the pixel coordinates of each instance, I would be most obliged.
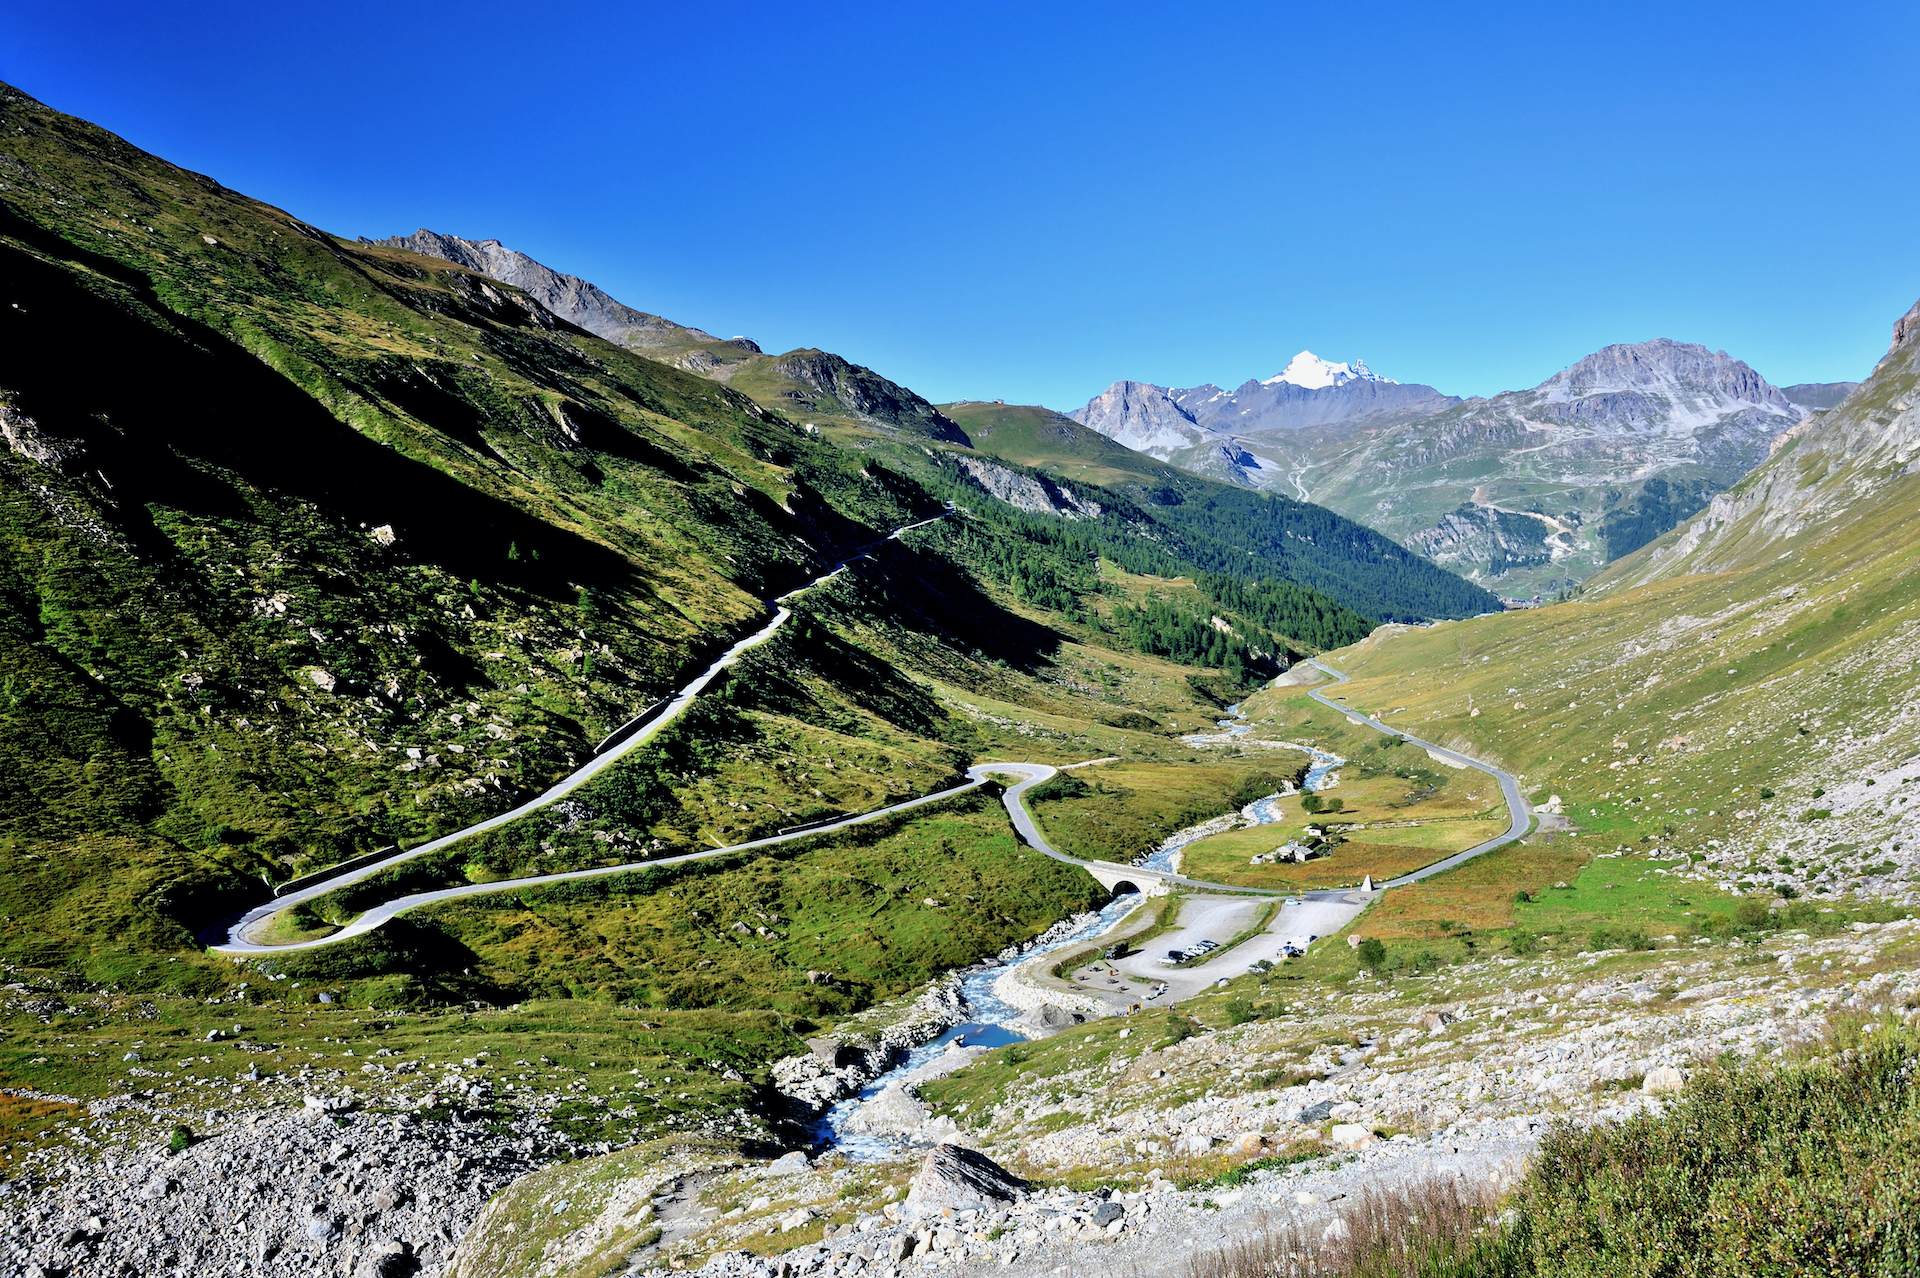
(1310, 372)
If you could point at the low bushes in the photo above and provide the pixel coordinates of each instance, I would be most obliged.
(1808, 1168)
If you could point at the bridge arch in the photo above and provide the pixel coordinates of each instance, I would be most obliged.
(1111, 876)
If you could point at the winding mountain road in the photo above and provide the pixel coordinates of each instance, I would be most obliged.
(233, 936)
(1517, 806)
(236, 936)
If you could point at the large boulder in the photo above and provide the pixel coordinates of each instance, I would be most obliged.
(1047, 1018)
(1662, 1079)
(791, 1163)
(953, 1177)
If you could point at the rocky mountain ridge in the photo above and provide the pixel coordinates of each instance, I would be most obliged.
(804, 382)
(1523, 492)
(1835, 466)
(1224, 434)
(1535, 490)
(567, 296)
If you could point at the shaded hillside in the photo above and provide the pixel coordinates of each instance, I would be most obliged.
(310, 547)
(1208, 526)
(814, 386)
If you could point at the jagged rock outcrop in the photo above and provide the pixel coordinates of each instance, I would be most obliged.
(568, 296)
(1145, 418)
(822, 375)
(24, 436)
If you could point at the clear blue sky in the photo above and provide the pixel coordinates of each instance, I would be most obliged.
(1030, 201)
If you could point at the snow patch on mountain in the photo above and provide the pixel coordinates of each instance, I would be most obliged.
(1310, 372)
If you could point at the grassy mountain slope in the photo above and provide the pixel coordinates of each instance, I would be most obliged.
(1216, 525)
(1220, 526)
(310, 547)
(1742, 692)
(344, 549)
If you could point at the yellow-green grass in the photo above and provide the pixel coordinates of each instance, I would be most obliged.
(293, 925)
(1698, 685)
(1346, 867)
(1382, 853)
(563, 1042)
(1131, 807)
(1443, 836)
(746, 932)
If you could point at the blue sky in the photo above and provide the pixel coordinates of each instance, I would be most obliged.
(1031, 201)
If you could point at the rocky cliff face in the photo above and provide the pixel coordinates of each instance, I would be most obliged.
(1143, 417)
(822, 381)
(1220, 433)
(1860, 457)
(1258, 407)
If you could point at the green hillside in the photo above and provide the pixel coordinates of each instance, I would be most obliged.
(310, 547)
(1740, 692)
(1220, 527)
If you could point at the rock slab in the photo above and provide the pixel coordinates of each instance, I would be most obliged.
(954, 1177)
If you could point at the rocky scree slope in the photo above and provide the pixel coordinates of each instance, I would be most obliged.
(1354, 1087)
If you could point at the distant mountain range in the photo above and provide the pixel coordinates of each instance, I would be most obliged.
(1525, 492)
(1210, 430)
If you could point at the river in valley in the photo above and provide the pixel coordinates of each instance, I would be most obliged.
(990, 1024)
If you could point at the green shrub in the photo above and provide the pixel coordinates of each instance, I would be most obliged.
(1800, 1170)
(1372, 955)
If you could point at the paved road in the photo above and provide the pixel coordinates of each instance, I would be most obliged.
(239, 945)
(231, 936)
(235, 936)
(1517, 806)
(1033, 774)
(1220, 919)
